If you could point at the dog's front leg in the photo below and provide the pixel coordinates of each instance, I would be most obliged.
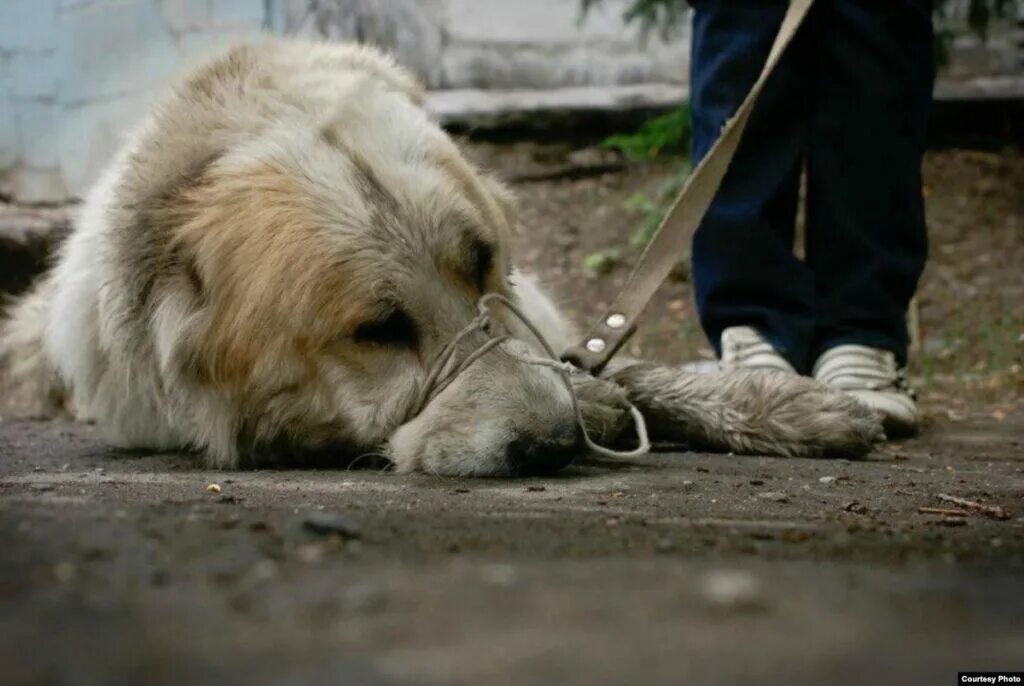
(747, 411)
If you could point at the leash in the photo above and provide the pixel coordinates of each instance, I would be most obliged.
(671, 239)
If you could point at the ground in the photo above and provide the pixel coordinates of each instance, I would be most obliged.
(125, 568)
(701, 569)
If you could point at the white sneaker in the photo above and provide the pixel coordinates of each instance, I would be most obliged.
(870, 375)
(743, 347)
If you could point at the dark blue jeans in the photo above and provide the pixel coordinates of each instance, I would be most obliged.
(850, 100)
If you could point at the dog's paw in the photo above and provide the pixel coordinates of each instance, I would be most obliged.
(604, 407)
(802, 417)
(834, 423)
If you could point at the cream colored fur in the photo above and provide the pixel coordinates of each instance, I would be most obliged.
(266, 269)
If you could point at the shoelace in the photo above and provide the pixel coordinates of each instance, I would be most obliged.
(439, 376)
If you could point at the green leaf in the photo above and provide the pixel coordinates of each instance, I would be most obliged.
(601, 262)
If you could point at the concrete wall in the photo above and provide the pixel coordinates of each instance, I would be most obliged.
(74, 74)
(499, 44)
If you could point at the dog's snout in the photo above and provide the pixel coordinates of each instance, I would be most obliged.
(533, 456)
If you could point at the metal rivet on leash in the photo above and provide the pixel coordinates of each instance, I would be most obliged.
(443, 370)
(616, 321)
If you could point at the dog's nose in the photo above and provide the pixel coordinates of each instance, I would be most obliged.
(533, 456)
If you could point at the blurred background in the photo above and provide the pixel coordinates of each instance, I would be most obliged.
(75, 73)
(581, 106)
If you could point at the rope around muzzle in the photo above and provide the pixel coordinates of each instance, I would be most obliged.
(439, 376)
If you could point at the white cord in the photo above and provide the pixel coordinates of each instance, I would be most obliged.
(439, 376)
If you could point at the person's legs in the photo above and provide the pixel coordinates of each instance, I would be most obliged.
(866, 237)
(744, 269)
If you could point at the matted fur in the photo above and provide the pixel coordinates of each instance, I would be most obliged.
(266, 269)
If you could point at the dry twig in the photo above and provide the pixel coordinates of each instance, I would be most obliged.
(944, 511)
(993, 511)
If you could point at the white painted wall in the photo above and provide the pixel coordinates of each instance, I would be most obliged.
(75, 74)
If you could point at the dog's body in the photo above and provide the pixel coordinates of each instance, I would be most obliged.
(273, 259)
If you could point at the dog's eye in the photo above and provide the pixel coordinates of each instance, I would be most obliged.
(394, 328)
(482, 256)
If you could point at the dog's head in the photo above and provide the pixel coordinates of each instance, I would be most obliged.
(319, 269)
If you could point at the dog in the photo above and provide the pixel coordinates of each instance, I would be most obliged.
(267, 268)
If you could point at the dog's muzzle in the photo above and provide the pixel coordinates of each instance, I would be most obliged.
(445, 368)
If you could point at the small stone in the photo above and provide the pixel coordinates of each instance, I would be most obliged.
(774, 496)
(731, 589)
(499, 574)
(311, 553)
(827, 479)
(213, 488)
(536, 489)
(324, 523)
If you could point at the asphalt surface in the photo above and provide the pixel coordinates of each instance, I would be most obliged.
(123, 568)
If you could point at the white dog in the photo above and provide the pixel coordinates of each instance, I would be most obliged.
(272, 261)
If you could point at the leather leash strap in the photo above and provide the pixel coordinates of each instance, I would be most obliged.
(672, 237)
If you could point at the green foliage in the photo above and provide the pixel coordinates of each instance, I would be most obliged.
(652, 208)
(602, 261)
(668, 133)
(664, 15)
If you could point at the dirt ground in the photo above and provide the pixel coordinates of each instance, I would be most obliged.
(124, 568)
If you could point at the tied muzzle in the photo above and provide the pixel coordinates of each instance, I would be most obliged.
(446, 367)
